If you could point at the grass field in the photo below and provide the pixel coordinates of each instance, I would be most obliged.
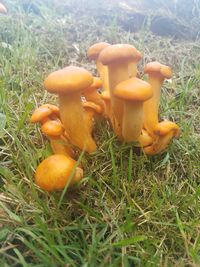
(130, 209)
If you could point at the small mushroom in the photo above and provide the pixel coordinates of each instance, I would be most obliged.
(3, 9)
(90, 109)
(117, 58)
(93, 54)
(54, 131)
(157, 73)
(134, 92)
(68, 83)
(164, 132)
(54, 173)
(48, 115)
(92, 95)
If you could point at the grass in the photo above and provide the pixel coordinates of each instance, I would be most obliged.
(130, 210)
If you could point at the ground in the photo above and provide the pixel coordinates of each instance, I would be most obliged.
(130, 209)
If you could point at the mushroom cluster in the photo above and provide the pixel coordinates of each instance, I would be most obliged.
(130, 104)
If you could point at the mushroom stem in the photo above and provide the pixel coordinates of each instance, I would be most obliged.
(117, 73)
(132, 69)
(88, 119)
(132, 121)
(103, 73)
(151, 106)
(71, 112)
(59, 147)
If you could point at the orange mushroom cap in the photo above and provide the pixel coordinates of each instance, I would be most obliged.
(53, 108)
(52, 128)
(119, 53)
(94, 50)
(69, 79)
(134, 89)
(159, 69)
(165, 127)
(54, 172)
(40, 114)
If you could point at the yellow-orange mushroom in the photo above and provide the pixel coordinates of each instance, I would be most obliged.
(133, 92)
(54, 173)
(164, 132)
(157, 73)
(117, 58)
(68, 83)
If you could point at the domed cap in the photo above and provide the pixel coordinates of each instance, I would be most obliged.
(159, 69)
(90, 105)
(94, 50)
(40, 114)
(118, 53)
(134, 89)
(165, 127)
(67, 80)
(52, 128)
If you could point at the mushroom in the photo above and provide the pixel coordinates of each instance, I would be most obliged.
(68, 83)
(117, 58)
(132, 67)
(56, 171)
(157, 73)
(92, 95)
(54, 131)
(90, 109)
(48, 116)
(164, 132)
(3, 9)
(93, 54)
(133, 93)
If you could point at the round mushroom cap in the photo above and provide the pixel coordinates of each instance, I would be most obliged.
(3, 9)
(165, 127)
(94, 50)
(159, 69)
(40, 114)
(54, 172)
(68, 80)
(52, 128)
(119, 53)
(90, 105)
(134, 89)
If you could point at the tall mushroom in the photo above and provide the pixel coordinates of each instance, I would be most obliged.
(68, 83)
(54, 173)
(134, 92)
(105, 95)
(117, 58)
(93, 54)
(157, 73)
(164, 132)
